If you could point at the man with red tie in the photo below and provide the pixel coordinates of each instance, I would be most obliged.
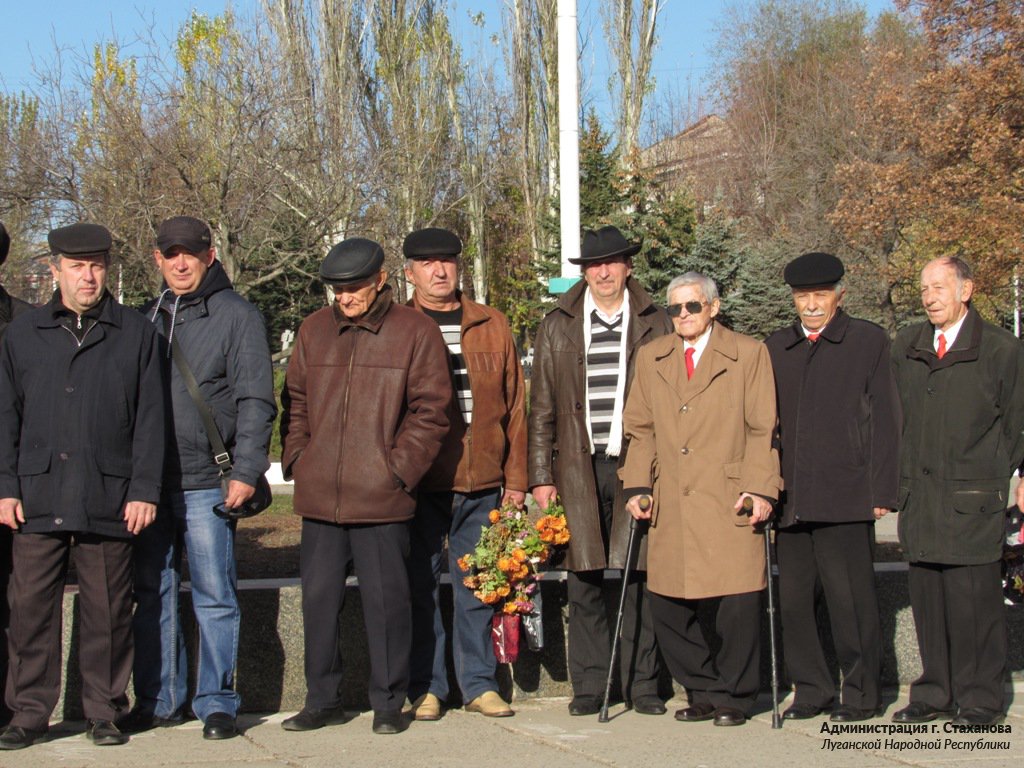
(699, 420)
(839, 428)
(961, 383)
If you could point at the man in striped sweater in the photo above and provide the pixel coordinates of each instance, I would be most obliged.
(482, 464)
(583, 367)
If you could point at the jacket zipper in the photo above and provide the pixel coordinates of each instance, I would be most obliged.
(344, 425)
(79, 323)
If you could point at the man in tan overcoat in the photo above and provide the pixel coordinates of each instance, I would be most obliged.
(699, 419)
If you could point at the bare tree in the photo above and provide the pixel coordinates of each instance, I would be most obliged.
(630, 32)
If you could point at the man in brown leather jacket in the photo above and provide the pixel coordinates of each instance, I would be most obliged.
(583, 367)
(365, 411)
(481, 465)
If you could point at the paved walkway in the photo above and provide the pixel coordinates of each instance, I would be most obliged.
(541, 734)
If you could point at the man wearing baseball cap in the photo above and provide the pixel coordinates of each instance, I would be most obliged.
(220, 337)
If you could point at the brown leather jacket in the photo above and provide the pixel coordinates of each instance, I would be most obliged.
(559, 450)
(491, 451)
(365, 410)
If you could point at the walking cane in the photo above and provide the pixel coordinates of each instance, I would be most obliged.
(634, 525)
(748, 507)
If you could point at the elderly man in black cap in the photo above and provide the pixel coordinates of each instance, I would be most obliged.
(482, 464)
(81, 454)
(217, 339)
(365, 411)
(583, 367)
(839, 425)
(10, 307)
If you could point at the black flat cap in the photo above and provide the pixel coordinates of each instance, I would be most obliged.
(606, 243)
(430, 243)
(184, 232)
(5, 243)
(352, 261)
(80, 240)
(813, 269)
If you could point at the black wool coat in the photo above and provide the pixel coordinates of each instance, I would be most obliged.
(81, 424)
(963, 436)
(839, 421)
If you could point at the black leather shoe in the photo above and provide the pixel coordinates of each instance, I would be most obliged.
(16, 737)
(978, 716)
(696, 712)
(104, 733)
(845, 714)
(729, 716)
(220, 725)
(649, 704)
(389, 721)
(584, 704)
(802, 712)
(311, 719)
(917, 712)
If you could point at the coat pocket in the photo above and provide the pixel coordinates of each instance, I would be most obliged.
(978, 502)
(35, 481)
(733, 474)
(114, 475)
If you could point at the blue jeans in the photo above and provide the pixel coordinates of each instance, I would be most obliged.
(161, 664)
(459, 517)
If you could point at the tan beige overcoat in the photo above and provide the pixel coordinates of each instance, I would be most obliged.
(698, 444)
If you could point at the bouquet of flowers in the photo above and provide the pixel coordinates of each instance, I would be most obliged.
(503, 569)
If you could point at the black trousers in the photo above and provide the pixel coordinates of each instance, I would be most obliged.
(5, 615)
(590, 637)
(961, 634)
(104, 568)
(731, 677)
(378, 553)
(834, 561)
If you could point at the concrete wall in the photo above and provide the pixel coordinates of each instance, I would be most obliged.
(270, 676)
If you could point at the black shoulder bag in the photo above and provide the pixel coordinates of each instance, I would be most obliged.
(261, 499)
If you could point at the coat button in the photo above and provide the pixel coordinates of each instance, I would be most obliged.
(931, 390)
(686, 492)
(69, 390)
(63, 457)
(579, 406)
(926, 471)
(58, 521)
(686, 451)
(683, 409)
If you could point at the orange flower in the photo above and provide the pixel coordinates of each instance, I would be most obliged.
(463, 564)
(470, 581)
(506, 564)
(547, 536)
(510, 608)
(503, 590)
(519, 555)
(494, 516)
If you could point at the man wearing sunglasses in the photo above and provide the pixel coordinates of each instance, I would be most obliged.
(839, 426)
(223, 341)
(582, 373)
(699, 420)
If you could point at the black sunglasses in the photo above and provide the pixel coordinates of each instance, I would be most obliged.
(692, 308)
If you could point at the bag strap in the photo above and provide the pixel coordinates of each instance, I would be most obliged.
(220, 452)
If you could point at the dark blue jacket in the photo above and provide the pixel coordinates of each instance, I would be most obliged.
(225, 342)
(81, 424)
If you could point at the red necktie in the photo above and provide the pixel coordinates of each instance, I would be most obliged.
(941, 351)
(689, 363)
(813, 337)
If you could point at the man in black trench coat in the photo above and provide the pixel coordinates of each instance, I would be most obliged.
(839, 428)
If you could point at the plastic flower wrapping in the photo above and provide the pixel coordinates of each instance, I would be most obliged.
(504, 568)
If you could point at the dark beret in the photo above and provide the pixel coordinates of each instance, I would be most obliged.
(606, 243)
(352, 261)
(813, 269)
(5, 243)
(430, 243)
(80, 240)
(184, 232)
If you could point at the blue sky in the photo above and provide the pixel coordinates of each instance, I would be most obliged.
(688, 29)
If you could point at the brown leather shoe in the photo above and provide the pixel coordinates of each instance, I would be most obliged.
(425, 708)
(697, 712)
(490, 704)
